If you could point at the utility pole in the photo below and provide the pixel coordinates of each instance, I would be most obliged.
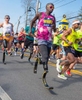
(18, 24)
(37, 5)
(26, 16)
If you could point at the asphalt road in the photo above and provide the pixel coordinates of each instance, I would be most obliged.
(20, 83)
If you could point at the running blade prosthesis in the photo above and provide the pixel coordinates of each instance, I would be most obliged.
(38, 61)
(35, 66)
(4, 57)
(44, 80)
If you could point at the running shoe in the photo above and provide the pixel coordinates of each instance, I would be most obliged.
(62, 76)
(15, 53)
(29, 59)
(74, 67)
(6, 52)
(68, 73)
(49, 59)
(22, 55)
(58, 67)
(10, 54)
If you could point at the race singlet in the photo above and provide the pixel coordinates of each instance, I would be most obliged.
(78, 42)
(22, 37)
(1, 36)
(71, 37)
(45, 27)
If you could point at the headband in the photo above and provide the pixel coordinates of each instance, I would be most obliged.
(76, 22)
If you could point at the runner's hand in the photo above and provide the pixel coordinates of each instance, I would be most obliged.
(70, 43)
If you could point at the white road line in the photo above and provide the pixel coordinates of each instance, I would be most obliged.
(4, 95)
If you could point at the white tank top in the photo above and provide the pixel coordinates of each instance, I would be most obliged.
(7, 29)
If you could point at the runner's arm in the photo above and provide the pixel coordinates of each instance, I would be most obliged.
(1, 25)
(65, 34)
(12, 29)
(19, 34)
(54, 25)
(37, 16)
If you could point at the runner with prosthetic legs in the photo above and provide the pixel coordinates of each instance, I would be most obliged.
(45, 26)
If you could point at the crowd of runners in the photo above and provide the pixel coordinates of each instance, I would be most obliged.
(64, 45)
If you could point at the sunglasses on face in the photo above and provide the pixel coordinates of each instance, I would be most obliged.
(78, 23)
(51, 7)
(7, 18)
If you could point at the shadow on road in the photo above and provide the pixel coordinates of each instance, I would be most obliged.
(65, 83)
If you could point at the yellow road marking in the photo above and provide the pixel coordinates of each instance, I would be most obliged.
(73, 71)
(54, 65)
(77, 72)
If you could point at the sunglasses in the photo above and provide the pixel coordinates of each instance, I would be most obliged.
(78, 23)
(7, 18)
(51, 7)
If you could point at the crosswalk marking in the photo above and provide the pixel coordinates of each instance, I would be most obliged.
(4, 95)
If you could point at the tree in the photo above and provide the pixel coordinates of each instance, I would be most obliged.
(26, 4)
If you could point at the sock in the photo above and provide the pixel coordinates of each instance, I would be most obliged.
(16, 49)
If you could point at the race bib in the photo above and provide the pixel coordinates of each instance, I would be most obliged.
(7, 34)
(80, 45)
(48, 22)
(0, 35)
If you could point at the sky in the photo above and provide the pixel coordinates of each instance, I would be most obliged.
(15, 9)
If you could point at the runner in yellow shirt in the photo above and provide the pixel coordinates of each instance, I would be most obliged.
(69, 38)
(78, 45)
